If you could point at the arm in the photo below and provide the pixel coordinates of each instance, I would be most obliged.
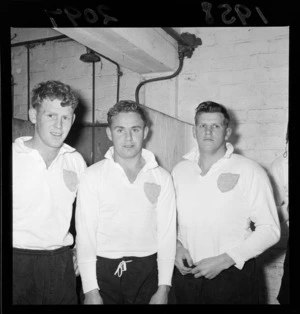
(181, 255)
(93, 297)
(259, 197)
(161, 295)
(86, 219)
(166, 240)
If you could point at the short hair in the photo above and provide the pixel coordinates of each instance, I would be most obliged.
(210, 106)
(53, 90)
(126, 106)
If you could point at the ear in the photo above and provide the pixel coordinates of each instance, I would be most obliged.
(32, 115)
(146, 131)
(194, 131)
(108, 133)
(228, 133)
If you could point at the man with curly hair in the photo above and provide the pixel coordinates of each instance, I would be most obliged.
(46, 173)
(126, 218)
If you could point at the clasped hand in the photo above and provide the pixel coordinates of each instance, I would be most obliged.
(208, 267)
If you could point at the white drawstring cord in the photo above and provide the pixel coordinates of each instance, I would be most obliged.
(121, 267)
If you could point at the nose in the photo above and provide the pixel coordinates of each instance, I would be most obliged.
(208, 129)
(58, 123)
(128, 136)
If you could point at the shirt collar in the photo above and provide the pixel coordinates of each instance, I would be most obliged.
(194, 154)
(149, 157)
(22, 148)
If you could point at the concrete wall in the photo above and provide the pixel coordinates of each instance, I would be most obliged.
(244, 68)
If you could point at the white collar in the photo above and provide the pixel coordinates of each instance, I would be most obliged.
(194, 154)
(22, 148)
(149, 157)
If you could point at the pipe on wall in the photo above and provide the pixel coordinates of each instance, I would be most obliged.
(186, 45)
(181, 57)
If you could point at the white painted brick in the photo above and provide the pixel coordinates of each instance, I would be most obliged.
(276, 60)
(207, 35)
(268, 33)
(67, 49)
(262, 156)
(267, 115)
(264, 129)
(226, 35)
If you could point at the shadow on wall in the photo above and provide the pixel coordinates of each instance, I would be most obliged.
(21, 128)
(235, 137)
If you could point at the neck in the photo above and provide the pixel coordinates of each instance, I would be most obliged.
(48, 153)
(131, 166)
(207, 159)
(136, 163)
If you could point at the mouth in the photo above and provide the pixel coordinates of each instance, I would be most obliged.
(128, 146)
(55, 134)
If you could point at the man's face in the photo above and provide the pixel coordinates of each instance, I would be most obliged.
(211, 133)
(52, 123)
(127, 132)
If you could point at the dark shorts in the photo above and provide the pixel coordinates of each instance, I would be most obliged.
(135, 285)
(231, 286)
(44, 277)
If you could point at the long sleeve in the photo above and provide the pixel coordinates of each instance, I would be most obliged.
(86, 219)
(263, 213)
(166, 232)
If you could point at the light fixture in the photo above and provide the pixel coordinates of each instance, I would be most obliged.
(90, 56)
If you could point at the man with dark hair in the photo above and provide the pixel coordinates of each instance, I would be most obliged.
(219, 195)
(126, 218)
(45, 179)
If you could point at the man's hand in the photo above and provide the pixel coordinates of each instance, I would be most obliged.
(212, 266)
(93, 297)
(76, 269)
(181, 255)
(161, 295)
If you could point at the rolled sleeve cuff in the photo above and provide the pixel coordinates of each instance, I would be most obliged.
(165, 271)
(88, 276)
(239, 261)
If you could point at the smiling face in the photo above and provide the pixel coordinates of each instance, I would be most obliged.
(127, 132)
(52, 124)
(211, 133)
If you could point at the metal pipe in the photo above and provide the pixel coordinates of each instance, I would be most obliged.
(38, 41)
(28, 79)
(181, 57)
(175, 35)
(119, 73)
(186, 45)
(93, 114)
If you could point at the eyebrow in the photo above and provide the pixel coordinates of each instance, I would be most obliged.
(132, 127)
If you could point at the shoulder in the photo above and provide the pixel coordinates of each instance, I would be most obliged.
(247, 166)
(76, 156)
(162, 172)
(97, 167)
(182, 165)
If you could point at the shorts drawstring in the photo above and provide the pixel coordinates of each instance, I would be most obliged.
(121, 267)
